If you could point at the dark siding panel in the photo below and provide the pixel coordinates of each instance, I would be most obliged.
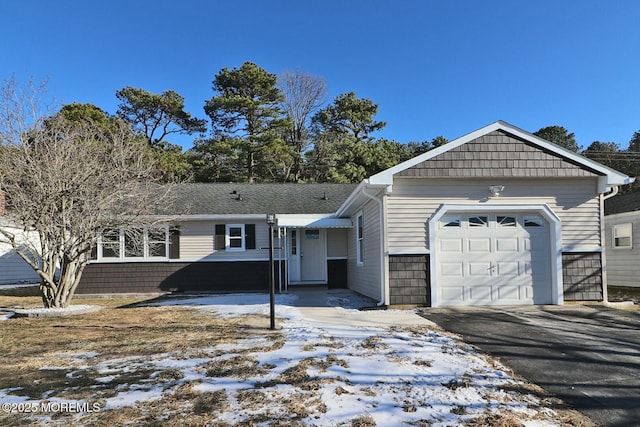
(175, 277)
(250, 236)
(582, 276)
(219, 240)
(337, 273)
(174, 243)
(409, 280)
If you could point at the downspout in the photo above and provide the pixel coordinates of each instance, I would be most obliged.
(614, 192)
(605, 290)
(383, 288)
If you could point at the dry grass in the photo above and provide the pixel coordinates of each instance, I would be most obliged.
(40, 359)
(495, 420)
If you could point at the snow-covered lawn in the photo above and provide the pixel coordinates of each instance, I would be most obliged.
(364, 369)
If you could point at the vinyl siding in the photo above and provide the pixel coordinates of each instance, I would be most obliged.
(365, 278)
(12, 268)
(337, 243)
(623, 266)
(197, 242)
(413, 201)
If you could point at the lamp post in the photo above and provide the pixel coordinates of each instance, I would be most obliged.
(271, 220)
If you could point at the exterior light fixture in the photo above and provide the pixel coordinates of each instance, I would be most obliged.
(271, 219)
(496, 190)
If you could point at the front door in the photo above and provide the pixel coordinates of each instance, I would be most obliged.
(308, 256)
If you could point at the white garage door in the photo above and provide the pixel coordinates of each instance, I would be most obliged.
(493, 259)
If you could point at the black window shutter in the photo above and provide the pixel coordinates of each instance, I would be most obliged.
(219, 238)
(174, 243)
(250, 236)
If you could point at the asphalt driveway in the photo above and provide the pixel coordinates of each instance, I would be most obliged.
(587, 356)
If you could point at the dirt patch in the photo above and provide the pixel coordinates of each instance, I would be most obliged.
(618, 294)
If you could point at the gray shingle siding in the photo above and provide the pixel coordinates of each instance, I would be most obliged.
(496, 154)
(409, 280)
(582, 276)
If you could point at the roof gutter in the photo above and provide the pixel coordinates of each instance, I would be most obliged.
(383, 288)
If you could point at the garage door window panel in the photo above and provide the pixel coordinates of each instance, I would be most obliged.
(451, 221)
(506, 221)
(533, 221)
(478, 221)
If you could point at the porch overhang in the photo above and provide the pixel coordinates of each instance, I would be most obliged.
(313, 221)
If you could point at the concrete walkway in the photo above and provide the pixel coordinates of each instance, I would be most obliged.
(328, 306)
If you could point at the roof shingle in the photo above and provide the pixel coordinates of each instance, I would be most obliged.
(229, 199)
(627, 202)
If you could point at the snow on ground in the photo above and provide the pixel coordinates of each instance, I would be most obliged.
(17, 285)
(394, 374)
(331, 372)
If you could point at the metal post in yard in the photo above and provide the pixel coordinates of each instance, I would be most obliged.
(271, 220)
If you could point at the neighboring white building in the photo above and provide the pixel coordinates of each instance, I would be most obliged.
(13, 269)
(622, 239)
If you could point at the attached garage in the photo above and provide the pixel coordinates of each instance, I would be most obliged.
(496, 217)
(495, 255)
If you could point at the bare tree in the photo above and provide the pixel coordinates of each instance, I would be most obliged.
(64, 180)
(304, 94)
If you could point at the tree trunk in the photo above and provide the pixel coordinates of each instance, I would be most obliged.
(59, 294)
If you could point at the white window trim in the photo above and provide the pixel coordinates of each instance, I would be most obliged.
(359, 239)
(166, 243)
(615, 234)
(121, 249)
(227, 238)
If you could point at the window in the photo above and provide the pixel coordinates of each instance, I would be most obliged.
(478, 221)
(312, 234)
(135, 244)
(450, 221)
(294, 242)
(506, 221)
(622, 236)
(533, 221)
(157, 243)
(110, 246)
(360, 239)
(235, 237)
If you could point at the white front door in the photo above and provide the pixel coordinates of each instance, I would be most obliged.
(493, 259)
(308, 262)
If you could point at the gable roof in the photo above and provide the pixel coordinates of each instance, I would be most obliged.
(260, 199)
(613, 177)
(628, 202)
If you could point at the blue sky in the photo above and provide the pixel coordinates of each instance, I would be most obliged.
(435, 67)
